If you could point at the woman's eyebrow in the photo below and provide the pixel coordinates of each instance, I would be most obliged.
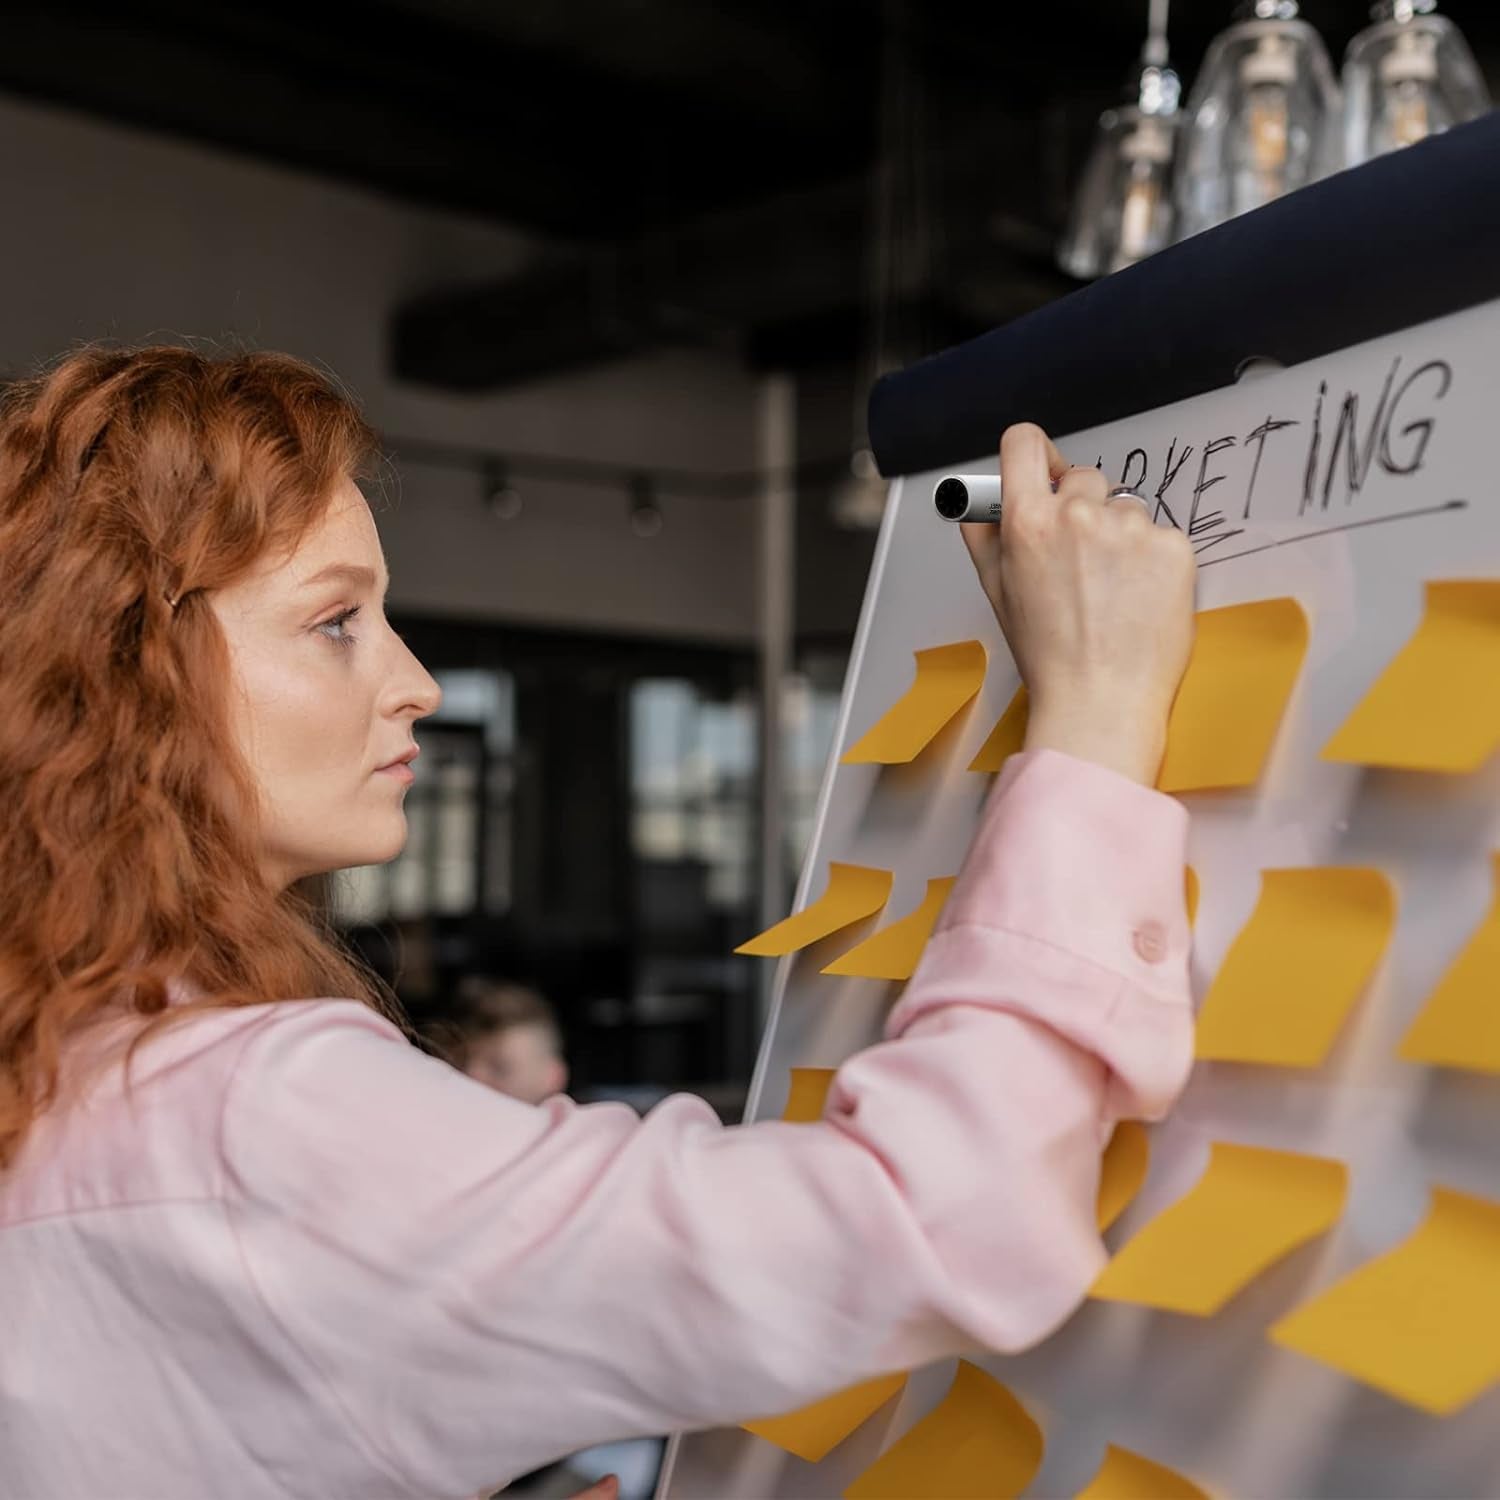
(352, 573)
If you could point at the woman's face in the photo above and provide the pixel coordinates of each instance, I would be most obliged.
(324, 695)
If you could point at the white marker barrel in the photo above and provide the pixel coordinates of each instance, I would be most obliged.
(967, 497)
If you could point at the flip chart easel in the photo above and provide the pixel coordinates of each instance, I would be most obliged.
(1346, 482)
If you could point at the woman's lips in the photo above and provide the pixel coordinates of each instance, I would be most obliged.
(400, 768)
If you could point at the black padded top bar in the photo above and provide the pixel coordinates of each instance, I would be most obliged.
(1402, 239)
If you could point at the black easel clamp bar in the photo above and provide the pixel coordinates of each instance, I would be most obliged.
(1400, 240)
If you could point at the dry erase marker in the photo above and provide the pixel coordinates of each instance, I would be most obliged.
(968, 497)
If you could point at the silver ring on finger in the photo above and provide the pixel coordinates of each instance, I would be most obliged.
(1124, 492)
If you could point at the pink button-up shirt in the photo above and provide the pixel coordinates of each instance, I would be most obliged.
(300, 1258)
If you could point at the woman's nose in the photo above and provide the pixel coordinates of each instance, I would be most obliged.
(417, 691)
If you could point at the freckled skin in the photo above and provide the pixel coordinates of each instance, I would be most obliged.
(318, 704)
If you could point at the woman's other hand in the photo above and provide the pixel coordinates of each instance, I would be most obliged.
(607, 1488)
(1095, 601)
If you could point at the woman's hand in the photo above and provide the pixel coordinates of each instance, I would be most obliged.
(607, 1488)
(1095, 601)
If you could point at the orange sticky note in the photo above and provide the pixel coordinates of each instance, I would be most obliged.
(1123, 1170)
(1432, 708)
(1459, 1027)
(1244, 665)
(978, 1443)
(812, 1433)
(894, 951)
(854, 892)
(1422, 1322)
(1128, 1476)
(807, 1095)
(947, 678)
(1190, 891)
(1294, 973)
(1249, 1209)
(1008, 737)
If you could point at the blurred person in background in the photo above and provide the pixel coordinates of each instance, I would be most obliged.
(503, 1035)
(255, 1244)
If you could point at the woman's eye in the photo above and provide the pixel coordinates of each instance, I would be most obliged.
(336, 629)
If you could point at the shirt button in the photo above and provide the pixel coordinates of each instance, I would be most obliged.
(1150, 942)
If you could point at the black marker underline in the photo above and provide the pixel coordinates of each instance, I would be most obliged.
(1307, 536)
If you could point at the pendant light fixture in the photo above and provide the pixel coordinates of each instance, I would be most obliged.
(1262, 118)
(1122, 211)
(1407, 76)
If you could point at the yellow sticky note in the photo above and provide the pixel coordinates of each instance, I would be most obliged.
(1294, 973)
(1244, 664)
(893, 952)
(1422, 1322)
(1459, 1027)
(815, 1431)
(1123, 1170)
(1190, 891)
(947, 678)
(1432, 708)
(1127, 1476)
(1008, 737)
(854, 892)
(807, 1095)
(978, 1443)
(1250, 1208)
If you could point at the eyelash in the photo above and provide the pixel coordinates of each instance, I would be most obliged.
(338, 621)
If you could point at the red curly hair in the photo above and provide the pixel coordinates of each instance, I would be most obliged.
(133, 483)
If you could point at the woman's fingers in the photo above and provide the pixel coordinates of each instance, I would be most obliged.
(1030, 455)
(1095, 601)
(1088, 485)
(1030, 465)
(607, 1488)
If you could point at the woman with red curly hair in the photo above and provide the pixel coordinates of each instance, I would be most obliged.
(252, 1242)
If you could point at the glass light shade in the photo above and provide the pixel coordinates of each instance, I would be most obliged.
(1123, 209)
(1409, 76)
(1263, 119)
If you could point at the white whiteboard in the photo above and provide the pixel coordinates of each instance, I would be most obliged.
(1213, 1397)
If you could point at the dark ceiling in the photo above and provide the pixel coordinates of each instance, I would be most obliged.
(698, 165)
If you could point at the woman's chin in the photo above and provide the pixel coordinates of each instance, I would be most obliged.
(381, 840)
(384, 853)
(381, 837)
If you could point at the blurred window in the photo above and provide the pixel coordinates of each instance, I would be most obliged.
(693, 785)
(458, 858)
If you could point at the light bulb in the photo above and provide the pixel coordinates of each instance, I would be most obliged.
(1268, 128)
(1142, 198)
(1259, 156)
(1145, 213)
(1410, 109)
(1405, 119)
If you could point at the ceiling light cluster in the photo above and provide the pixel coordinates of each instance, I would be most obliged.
(1264, 116)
